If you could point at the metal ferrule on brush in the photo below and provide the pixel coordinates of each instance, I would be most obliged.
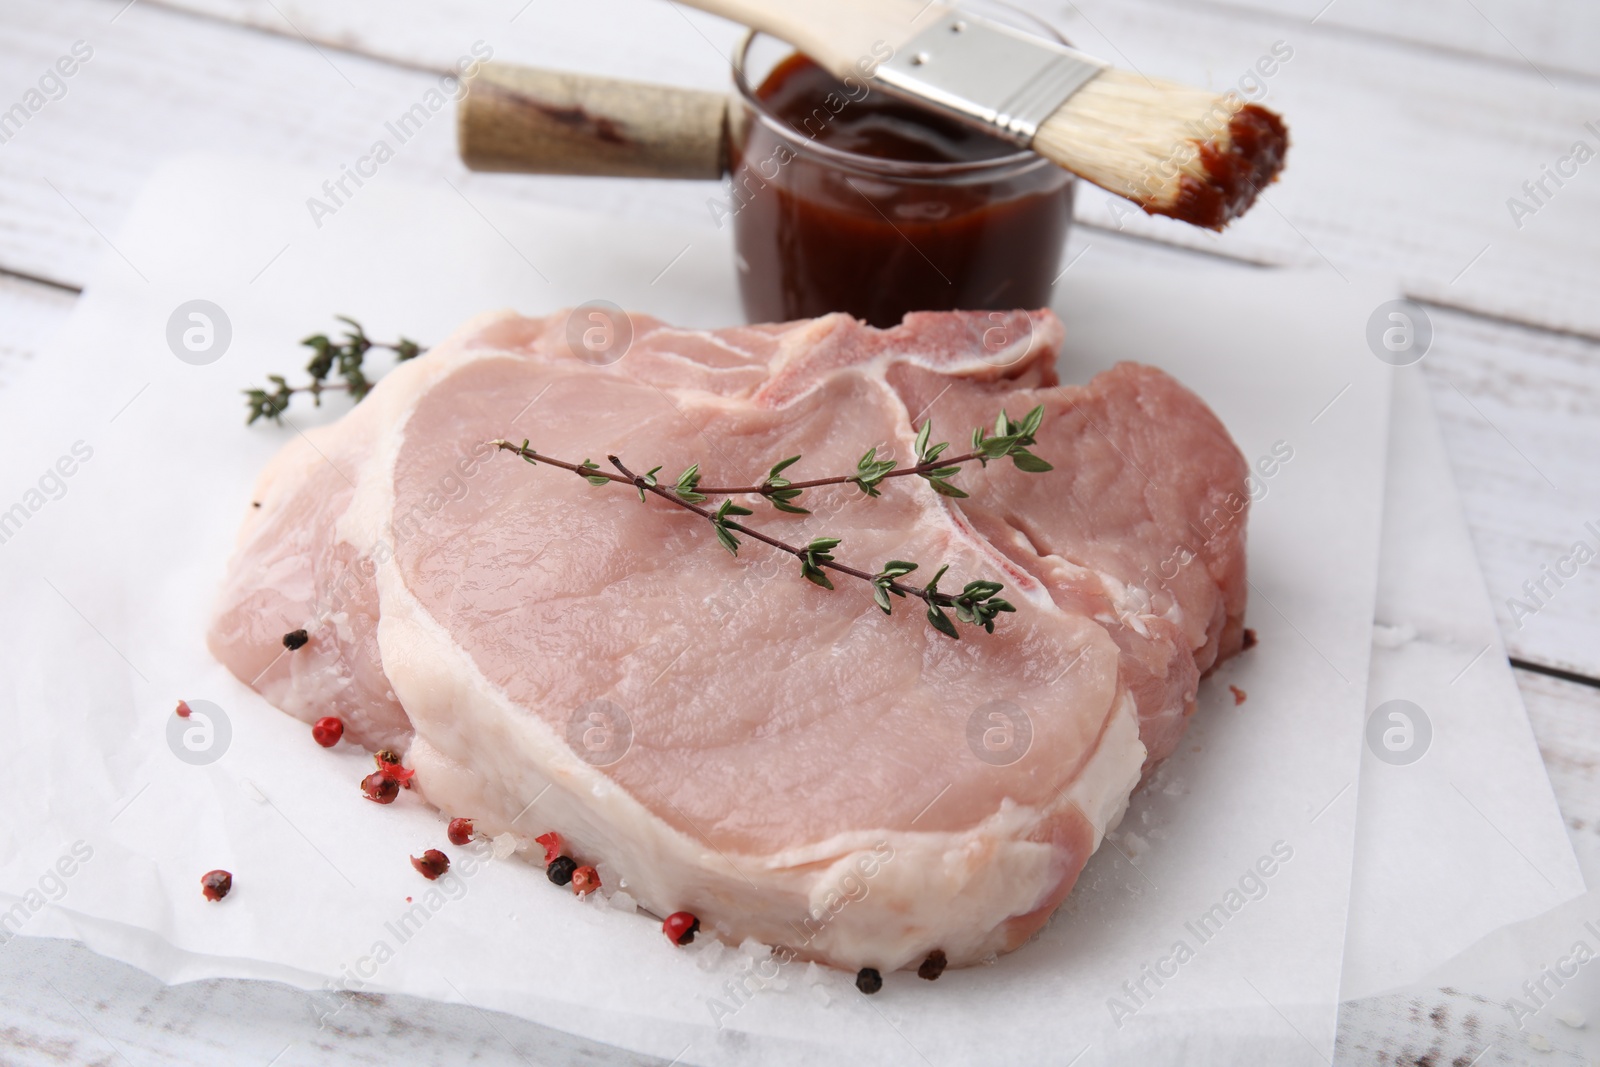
(988, 74)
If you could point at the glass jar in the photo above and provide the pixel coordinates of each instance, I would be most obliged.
(820, 228)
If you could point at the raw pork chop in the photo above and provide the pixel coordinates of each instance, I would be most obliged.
(734, 741)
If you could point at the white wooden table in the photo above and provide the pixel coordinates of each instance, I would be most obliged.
(1415, 125)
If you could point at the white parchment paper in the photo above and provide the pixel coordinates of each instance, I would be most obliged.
(106, 589)
(1458, 830)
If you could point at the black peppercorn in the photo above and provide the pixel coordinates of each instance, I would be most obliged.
(868, 980)
(933, 966)
(295, 639)
(560, 870)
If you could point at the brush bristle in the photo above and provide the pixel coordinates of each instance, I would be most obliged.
(1172, 149)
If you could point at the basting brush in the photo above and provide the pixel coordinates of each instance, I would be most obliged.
(1175, 150)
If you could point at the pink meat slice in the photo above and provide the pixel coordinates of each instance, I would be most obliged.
(761, 738)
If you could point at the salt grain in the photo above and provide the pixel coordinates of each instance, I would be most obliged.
(623, 902)
(1573, 1018)
(504, 845)
(709, 956)
(1539, 1043)
(754, 949)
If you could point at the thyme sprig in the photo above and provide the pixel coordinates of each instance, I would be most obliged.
(977, 604)
(346, 355)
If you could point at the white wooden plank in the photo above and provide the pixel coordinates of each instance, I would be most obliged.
(1520, 410)
(1566, 720)
(1552, 36)
(31, 314)
(162, 83)
(1404, 158)
(64, 1006)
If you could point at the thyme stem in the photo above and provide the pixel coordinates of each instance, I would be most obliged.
(941, 599)
(766, 489)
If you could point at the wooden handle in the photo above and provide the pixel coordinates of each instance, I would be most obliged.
(841, 35)
(550, 122)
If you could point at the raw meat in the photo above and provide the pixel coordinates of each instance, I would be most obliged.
(785, 762)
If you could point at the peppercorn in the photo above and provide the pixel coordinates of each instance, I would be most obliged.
(380, 788)
(182, 710)
(431, 864)
(389, 767)
(327, 730)
(459, 831)
(553, 846)
(868, 980)
(215, 884)
(561, 869)
(585, 880)
(295, 639)
(933, 966)
(680, 928)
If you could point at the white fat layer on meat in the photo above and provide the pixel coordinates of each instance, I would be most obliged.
(477, 750)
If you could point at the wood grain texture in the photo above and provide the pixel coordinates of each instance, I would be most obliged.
(1551, 36)
(1520, 411)
(1566, 721)
(66, 1007)
(32, 314)
(529, 120)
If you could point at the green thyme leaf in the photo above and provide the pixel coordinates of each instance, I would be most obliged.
(1027, 461)
(687, 481)
(880, 596)
(814, 574)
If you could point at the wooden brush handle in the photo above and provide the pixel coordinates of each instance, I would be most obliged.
(838, 34)
(550, 122)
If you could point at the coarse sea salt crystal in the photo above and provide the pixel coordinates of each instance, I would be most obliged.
(820, 991)
(1539, 1043)
(1572, 1017)
(623, 901)
(754, 949)
(709, 956)
(504, 845)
